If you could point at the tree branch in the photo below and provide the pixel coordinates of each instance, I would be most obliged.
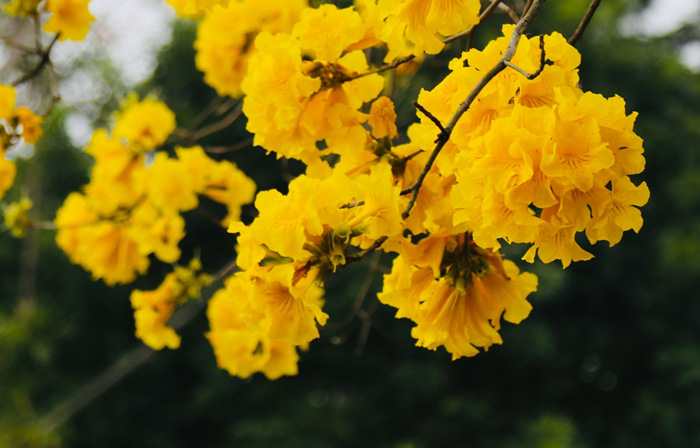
(584, 22)
(125, 365)
(45, 58)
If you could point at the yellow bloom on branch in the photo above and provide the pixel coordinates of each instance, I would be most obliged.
(226, 35)
(145, 124)
(70, 18)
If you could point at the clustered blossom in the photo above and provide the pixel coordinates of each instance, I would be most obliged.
(537, 161)
(129, 211)
(152, 309)
(533, 160)
(226, 35)
(15, 123)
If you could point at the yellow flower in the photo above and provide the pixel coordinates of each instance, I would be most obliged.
(291, 105)
(8, 170)
(168, 186)
(382, 118)
(31, 125)
(456, 293)
(16, 218)
(327, 31)
(420, 21)
(576, 154)
(116, 247)
(70, 18)
(116, 180)
(147, 123)
(461, 320)
(380, 215)
(556, 242)
(195, 9)
(241, 351)
(152, 309)
(22, 8)
(284, 302)
(225, 38)
(228, 185)
(621, 212)
(7, 101)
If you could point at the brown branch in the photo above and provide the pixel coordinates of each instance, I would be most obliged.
(45, 58)
(232, 148)
(584, 22)
(430, 116)
(383, 68)
(18, 46)
(206, 113)
(125, 365)
(526, 8)
(367, 322)
(53, 88)
(360, 298)
(538, 72)
(221, 125)
(508, 10)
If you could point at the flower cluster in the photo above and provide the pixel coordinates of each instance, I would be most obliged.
(129, 211)
(537, 161)
(292, 104)
(456, 292)
(533, 160)
(152, 309)
(15, 123)
(225, 38)
(240, 349)
(70, 19)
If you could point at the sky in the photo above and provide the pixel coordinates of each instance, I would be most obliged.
(663, 17)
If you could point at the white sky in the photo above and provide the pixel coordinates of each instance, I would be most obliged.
(663, 17)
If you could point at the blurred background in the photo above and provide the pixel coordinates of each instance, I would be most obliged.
(609, 357)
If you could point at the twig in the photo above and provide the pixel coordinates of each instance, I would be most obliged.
(361, 295)
(584, 22)
(53, 88)
(429, 115)
(543, 61)
(232, 148)
(45, 58)
(125, 365)
(526, 8)
(206, 113)
(209, 215)
(508, 10)
(221, 125)
(366, 317)
(383, 68)
(18, 46)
